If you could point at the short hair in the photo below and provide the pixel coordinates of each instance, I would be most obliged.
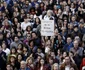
(23, 62)
(77, 37)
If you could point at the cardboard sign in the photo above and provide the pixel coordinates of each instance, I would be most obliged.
(47, 27)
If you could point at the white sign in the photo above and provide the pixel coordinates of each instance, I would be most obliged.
(47, 27)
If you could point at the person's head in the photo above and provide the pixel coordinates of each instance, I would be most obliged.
(75, 43)
(37, 20)
(42, 61)
(28, 36)
(4, 45)
(4, 3)
(67, 60)
(46, 38)
(23, 64)
(31, 16)
(1, 36)
(29, 60)
(12, 58)
(59, 37)
(65, 22)
(55, 7)
(25, 48)
(22, 11)
(49, 13)
(16, 39)
(27, 2)
(59, 52)
(13, 50)
(65, 54)
(25, 19)
(15, 4)
(28, 28)
(39, 50)
(70, 26)
(31, 43)
(75, 1)
(48, 43)
(19, 34)
(52, 54)
(0, 48)
(69, 40)
(38, 58)
(63, 29)
(34, 35)
(77, 38)
(36, 5)
(55, 66)
(8, 35)
(14, 14)
(19, 57)
(81, 5)
(8, 66)
(20, 46)
(56, 32)
(12, 30)
(72, 5)
(67, 8)
(73, 18)
(42, 4)
(81, 21)
(76, 29)
(59, 11)
(16, 9)
(50, 60)
(81, 25)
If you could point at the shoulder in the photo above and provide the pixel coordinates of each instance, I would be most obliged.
(27, 68)
(80, 48)
(22, 23)
(3, 53)
(13, 43)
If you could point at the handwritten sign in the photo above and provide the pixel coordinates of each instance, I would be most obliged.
(47, 27)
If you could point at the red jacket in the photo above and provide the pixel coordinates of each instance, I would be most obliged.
(82, 63)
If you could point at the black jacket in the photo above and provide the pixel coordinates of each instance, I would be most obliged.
(2, 61)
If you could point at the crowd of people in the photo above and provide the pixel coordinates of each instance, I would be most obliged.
(22, 47)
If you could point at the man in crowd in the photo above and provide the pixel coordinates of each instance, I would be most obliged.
(68, 64)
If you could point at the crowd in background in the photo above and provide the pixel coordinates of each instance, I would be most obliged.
(23, 48)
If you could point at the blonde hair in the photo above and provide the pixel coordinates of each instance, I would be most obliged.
(55, 64)
(30, 57)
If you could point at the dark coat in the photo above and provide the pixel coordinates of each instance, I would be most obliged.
(2, 61)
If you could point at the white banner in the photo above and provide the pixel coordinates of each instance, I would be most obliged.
(47, 27)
